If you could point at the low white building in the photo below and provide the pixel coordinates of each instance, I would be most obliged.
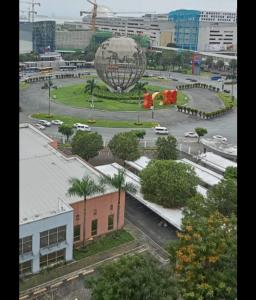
(46, 222)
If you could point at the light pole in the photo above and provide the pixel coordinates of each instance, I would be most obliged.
(232, 95)
(152, 109)
(49, 89)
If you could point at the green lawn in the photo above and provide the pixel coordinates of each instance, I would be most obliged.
(74, 96)
(23, 85)
(102, 244)
(226, 98)
(98, 122)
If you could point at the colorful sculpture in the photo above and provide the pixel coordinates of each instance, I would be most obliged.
(169, 97)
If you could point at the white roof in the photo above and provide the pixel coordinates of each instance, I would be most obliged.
(216, 161)
(139, 164)
(44, 176)
(203, 173)
(172, 216)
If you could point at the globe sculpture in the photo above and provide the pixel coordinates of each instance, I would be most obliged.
(120, 63)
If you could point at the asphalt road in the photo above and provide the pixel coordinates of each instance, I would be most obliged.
(148, 222)
(34, 99)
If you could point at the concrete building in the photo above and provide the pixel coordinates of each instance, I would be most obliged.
(50, 221)
(155, 26)
(25, 37)
(204, 30)
(73, 39)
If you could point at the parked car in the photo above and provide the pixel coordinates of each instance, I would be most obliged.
(193, 80)
(57, 122)
(220, 138)
(83, 127)
(44, 123)
(226, 91)
(76, 124)
(39, 126)
(161, 130)
(174, 79)
(161, 77)
(191, 134)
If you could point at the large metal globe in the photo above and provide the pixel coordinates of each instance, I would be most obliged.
(120, 63)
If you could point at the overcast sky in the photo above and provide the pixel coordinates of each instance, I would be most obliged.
(71, 8)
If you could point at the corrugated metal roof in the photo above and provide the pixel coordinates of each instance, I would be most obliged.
(216, 161)
(172, 216)
(44, 176)
(139, 164)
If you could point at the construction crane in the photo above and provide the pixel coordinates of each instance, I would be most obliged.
(94, 14)
(32, 12)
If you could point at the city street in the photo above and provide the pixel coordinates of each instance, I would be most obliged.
(34, 99)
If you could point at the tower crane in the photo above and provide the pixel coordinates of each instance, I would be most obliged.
(94, 14)
(32, 12)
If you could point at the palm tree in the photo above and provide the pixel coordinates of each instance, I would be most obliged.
(118, 181)
(140, 87)
(89, 88)
(84, 188)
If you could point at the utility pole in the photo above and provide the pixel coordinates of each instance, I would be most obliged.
(49, 90)
(32, 12)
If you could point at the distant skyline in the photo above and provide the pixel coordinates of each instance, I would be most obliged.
(69, 8)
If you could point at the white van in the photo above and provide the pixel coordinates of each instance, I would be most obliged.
(83, 127)
(161, 130)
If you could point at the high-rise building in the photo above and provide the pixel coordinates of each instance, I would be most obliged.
(25, 38)
(44, 38)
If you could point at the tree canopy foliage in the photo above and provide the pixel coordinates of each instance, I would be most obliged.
(168, 183)
(125, 145)
(87, 144)
(166, 147)
(66, 130)
(231, 173)
(133, 278)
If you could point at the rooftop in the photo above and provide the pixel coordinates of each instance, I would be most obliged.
(139, 164)
(205, 175)
(218, 162)
(172, 216)
(44, 176)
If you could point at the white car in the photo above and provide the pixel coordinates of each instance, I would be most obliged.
(44, 123)
(161, 130)
(191, 134)
(39, 126)
(220, 138)
(57, 122)
(83, 127)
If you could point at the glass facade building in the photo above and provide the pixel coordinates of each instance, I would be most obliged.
(44, 36)
(186, 28)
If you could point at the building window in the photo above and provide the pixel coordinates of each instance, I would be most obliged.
(52, 236)
(94, 227)
(95, 212)
(25, 267)
(52, 258)
(76, 233)
(111, 207)
(25, 245)
(110, 222)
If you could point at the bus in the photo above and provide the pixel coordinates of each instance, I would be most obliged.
(31, 69)
(68, 68)
(46, 70)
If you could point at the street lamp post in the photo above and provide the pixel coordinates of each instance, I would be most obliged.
(152, 109)
(49, 89)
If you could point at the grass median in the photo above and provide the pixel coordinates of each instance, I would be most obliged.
(74, 96)
(226, 99)
(97, 122)
(107, 242)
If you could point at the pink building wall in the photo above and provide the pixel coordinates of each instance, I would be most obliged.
(102, 205)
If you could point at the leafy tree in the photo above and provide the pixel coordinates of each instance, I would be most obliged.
(209, 62)
(139, 133)
(66, 130)
(84, 188)
(165, 59)
(166, 147)
(87, 144)
(29, 57)
(205, 257)
(142, 40)
(223, 197)
(168, 183)
(233, 64)
(140, 88)
(118, 181)
(125, 146)
(231, 173)
(220, 64)
(133, 278)
(200, 132)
